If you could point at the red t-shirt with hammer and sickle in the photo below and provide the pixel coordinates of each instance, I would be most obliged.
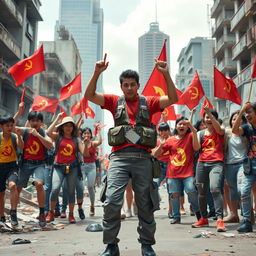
(33, 148)
(66, 151)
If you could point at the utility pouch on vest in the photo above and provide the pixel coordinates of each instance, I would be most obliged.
(156, 168)
(148, 136)
(116, 135)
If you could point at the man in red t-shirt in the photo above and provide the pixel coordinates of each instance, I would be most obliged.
(130, 158)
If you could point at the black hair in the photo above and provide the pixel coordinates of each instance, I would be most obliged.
(129, 74)
(213, 112)
(220, 121)
(175, 132)
(35, 115)
(6, 120)
(198, 123)
(74, 131)
(163, 127)
(87, 129)
(236, 113)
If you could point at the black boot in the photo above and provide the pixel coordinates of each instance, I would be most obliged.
(111, 250)
(81, 214)
(147, 250)
(245, 227)
(175, 220)
(198, 215)
(14, 220)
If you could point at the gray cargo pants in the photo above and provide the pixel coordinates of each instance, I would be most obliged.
(121, 168)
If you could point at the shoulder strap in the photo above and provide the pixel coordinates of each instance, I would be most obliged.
(42, 132)
(57, 144)
(14, 141)
(25, 135)
(201, 136)
(1, 134)
(143, 102)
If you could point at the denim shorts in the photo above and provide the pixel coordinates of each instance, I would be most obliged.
(27, 169)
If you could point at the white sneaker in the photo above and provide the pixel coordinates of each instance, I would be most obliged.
(128, 213)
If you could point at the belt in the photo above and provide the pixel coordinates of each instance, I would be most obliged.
(72, 164)
(30, 161)
(129, 155)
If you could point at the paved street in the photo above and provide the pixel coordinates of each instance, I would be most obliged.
(172, 240)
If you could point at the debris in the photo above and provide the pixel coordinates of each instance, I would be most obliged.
(94, 227)
(21, 241)
(228, 234)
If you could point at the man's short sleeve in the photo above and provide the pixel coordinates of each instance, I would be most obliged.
(110, 102)
(153, 104)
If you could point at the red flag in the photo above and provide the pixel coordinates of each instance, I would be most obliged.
(156, 85)
(170, 113)
(206, 102)
(254, 68)
(64, 112)
(225, 88)
(44, 104)
(193, 93)
(180, 101)
(89, 112)
(72, 88)
(28, 67)
(77, 108)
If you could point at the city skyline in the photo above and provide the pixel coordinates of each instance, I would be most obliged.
(121, 32)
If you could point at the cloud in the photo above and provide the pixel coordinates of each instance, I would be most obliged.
(181, 21)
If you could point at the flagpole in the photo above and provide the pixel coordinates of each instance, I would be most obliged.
(250, 91)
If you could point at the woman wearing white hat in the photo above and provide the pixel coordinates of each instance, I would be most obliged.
(66, 164)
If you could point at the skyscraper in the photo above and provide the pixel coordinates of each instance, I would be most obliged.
(196, 56)
(84, 20)
(150, 45)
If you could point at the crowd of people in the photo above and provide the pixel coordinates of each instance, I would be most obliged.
(214, 165)
(62, 156)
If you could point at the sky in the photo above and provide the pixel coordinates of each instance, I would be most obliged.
(124, 24)
(127, 21)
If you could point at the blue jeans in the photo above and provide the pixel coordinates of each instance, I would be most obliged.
(175, 186)
(57, 180)
(247, 183)
(163, 172)
(89, 173)
(234, 175)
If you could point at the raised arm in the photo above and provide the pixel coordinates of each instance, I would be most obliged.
(195, 141)
(98, 142)
(171, 96)
(19, 112)
(216, 125)
(236, 129)
(90, 91)
(46, 141)
(51, 131)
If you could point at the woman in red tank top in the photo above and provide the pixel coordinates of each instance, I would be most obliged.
(89, 167)
(66, 165)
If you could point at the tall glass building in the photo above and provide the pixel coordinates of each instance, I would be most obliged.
(150, 46)
(84, 20)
